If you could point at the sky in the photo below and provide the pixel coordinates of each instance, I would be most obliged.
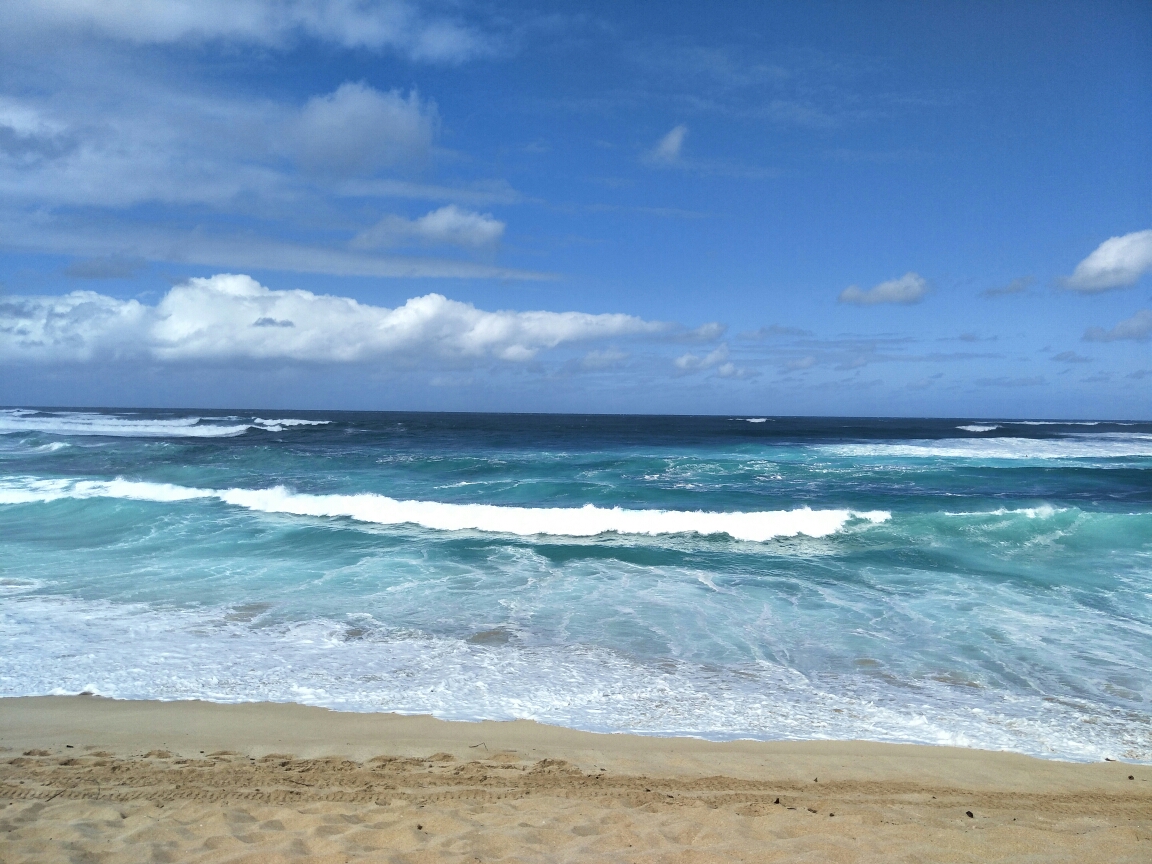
(833, 208)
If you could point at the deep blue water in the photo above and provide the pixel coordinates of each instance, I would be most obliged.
(975, 582)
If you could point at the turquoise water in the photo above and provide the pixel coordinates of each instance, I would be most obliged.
(977, 583)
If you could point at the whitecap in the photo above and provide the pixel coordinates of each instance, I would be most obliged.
(1097, 446)
(65, 645)
(287, 423)
(83, 423)
(135, 426)
(586, 521)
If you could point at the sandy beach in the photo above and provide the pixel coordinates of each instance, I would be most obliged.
(97, 780)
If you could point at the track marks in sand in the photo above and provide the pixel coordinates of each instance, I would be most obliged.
(97, 808)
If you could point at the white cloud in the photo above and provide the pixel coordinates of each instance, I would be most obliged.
(706, 332)
(391, 24)
(1116, 263)
(667, 150)
(692, 363)
(97, 129)
(909, 288)
(450, 225)
(233, 316)
(731, 370)
(1137, 328)
(76, 326)
(359, 130)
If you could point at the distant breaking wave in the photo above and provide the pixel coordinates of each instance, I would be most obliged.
(1098, 446)
(586, 521)
(81, 423)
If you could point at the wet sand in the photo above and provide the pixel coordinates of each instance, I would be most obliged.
(84, 779)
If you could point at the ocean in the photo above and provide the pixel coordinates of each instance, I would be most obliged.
(976, 583)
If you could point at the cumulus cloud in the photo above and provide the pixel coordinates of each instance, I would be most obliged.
(359, 130)
(1138, 328)
(107, 128)
(909, 288)
(693, 362)
(233, 317)
(388, 24)
(76, 326)
(447, 226)
(1116, 263)
(709, 332)
(667, 150)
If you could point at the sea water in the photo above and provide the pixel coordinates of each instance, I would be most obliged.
(980, 583)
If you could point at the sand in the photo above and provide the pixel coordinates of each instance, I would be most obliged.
(84, 779)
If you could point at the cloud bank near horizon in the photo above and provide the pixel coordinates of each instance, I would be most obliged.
(231, 317)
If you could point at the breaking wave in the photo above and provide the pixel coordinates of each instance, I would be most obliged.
(127, 426)
(1100, 446)
(586, 521)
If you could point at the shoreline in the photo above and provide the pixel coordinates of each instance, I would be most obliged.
(492, 788)
(39, 721)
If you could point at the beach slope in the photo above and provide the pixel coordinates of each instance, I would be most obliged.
(96, 780)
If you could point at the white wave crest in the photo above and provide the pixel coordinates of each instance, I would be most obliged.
(31, 491)
(1058, 423)
(282, 424)
(1101, 446)
(127, 426)
(586, 521)
(756, 419)
(50, 448)
(976, 427)
(1044, 511)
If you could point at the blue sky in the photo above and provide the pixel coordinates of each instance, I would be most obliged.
(819, 208)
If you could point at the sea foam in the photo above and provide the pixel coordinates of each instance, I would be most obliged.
(586, 521)
(1077, 446)
(127, 426)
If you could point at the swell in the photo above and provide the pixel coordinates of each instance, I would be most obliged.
(586, 521)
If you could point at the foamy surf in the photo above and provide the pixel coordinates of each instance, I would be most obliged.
(1075, 446)
(586, 521)
(127, 426)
